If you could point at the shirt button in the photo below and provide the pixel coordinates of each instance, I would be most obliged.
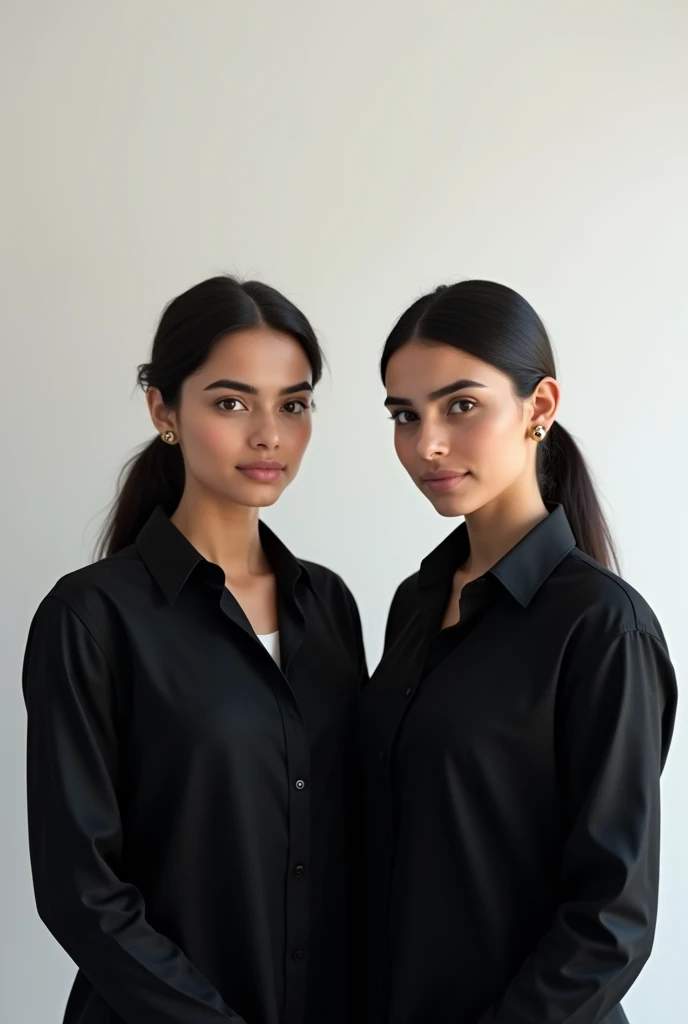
(300, 784)
(409, 691)
(382, 757)
(299, 870)
(298, 954)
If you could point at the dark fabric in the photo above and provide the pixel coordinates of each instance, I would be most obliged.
(190, 804)
(511, 777)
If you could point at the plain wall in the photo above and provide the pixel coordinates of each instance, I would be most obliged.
(353, 155)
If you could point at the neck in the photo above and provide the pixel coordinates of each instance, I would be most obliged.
(496, 528)
(223, 532)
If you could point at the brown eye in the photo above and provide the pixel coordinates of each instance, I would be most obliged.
(462, 405)
(296, 407)
(230, 405)
(404, 416)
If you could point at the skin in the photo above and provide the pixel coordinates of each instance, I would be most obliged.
(455, 414)
(249, 403)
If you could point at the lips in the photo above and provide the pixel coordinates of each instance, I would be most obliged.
(262, 471)
(443, 480)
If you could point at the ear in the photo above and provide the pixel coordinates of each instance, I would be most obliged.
(162, 417)
(542, 405)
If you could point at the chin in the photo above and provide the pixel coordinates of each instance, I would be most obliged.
(452, 505)
(262, 497)
(253, 495)
(449, 509)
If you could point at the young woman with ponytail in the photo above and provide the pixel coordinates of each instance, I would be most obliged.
(516, 728)
(192, 705)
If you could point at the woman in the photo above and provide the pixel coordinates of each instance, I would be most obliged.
(191, 702)
(515, 731)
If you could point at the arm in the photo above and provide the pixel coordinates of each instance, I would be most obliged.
(616, 714)
(75, 834)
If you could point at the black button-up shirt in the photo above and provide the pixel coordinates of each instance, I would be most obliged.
(512, 768)
(190, 802)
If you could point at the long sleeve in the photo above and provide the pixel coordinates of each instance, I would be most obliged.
(76, 835)
(614, 724)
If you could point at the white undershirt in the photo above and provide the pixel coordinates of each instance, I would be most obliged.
(270, 642)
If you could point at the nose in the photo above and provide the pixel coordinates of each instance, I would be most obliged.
(265, 433)
(432, 439)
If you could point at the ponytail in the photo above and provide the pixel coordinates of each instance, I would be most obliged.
(565, 480)
(153, 476)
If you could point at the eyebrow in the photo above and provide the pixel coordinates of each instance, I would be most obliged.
(448, 389)
(248, 389)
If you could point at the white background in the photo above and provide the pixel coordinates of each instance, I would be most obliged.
(353, 155)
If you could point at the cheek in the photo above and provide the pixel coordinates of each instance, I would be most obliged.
(296, 434)
(494, 439)
(480, 435)
(404, 447)
(211, 437)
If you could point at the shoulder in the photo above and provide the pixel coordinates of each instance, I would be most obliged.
(617, 658)
(406, 591)
(616, 648)
(605, 600)
(74, 639)
(92, 592)
(404, 605)
(335, 597)
(327, 584)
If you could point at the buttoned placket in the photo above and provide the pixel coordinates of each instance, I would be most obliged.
(297, 910)
(474, 600)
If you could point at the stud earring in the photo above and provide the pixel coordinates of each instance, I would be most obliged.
(539, 432)
(168, 437)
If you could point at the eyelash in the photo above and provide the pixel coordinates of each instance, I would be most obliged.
(399, 412)
(304, 406)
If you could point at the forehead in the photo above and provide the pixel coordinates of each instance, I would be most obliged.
(259, 356)
(420, 367)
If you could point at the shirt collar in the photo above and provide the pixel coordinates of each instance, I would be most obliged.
(171, 558)
(522, 571)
